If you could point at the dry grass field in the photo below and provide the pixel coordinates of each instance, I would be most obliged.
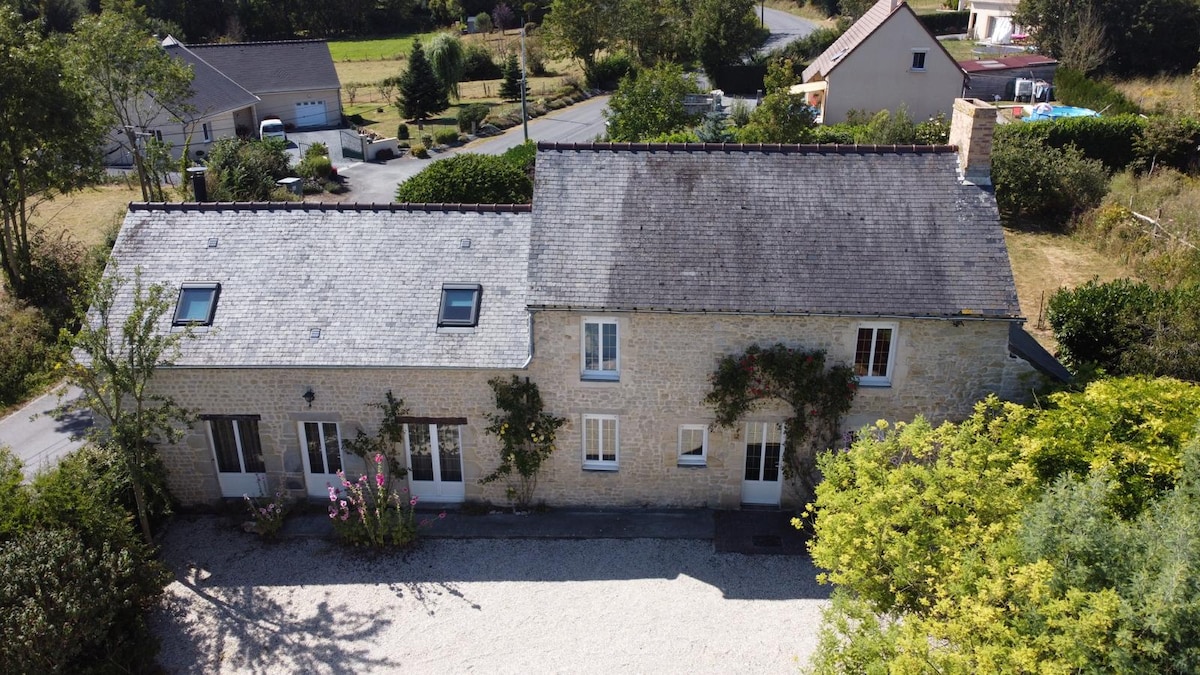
(89, 214)
(1164, 93)
(1044, 262)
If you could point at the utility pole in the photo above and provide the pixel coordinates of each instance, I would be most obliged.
(524, 87)
(762, 12)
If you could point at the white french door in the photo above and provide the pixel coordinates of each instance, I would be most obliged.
(237, 451)
(435, 461)
(321, 443)
(762, 482)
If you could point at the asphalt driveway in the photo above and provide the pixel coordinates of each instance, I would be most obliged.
(310, 605)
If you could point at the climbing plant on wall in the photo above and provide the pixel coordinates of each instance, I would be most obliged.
(526, 432)
(818, 395)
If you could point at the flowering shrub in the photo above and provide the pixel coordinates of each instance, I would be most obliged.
(267, 514)
(818, 396)
(368, 512)
(526, 433)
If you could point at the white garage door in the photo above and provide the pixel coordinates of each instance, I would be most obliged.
(310, 114)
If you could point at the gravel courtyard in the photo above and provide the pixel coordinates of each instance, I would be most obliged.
(238, 605)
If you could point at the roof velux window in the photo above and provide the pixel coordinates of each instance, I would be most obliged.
(460, 305)
(197, 304)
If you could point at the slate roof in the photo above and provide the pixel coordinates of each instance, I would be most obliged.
(212, 92)
(273, 67)
(841, 230)
(368, 277)
(857, 34)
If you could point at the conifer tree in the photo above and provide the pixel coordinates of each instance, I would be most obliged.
(510, 89)
(421, 92)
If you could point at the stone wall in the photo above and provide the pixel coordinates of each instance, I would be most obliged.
(940, 371)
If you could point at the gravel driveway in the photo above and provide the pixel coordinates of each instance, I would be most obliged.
(481, 605)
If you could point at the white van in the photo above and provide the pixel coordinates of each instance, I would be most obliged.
(271, 128)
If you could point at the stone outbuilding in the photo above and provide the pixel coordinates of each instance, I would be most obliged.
(637, 268)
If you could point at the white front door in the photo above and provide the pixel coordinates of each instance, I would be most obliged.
(310, 114)
(237, 451)
(322, 449)
(762, 482)
(435, 462)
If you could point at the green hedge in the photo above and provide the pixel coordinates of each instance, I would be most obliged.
(1111, 140)
(946, 23)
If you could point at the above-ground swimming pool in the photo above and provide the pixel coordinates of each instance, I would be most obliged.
(1045, 111)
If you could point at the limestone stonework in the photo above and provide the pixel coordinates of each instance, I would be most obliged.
(941, 370)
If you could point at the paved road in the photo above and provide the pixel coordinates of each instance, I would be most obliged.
(784, 28)
(38, 436)
(376, 183)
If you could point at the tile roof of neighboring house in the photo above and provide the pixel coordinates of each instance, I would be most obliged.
(212, 92)
(840, 230)
(1006, 63)
(272, 67)
(368, 277)
(858, 33)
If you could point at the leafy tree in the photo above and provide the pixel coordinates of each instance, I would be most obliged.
(135, 82)
(26, 349)
(448, 60)
(446, 11)
(504, 17)
(649, 103)
(49, 141)
(246, 170)
(483, 23)
(652, 30)
(421, 93)
(723, 32)
(960, 549)
(510, 88)
(1139, 36)
(468, 178)
(577, 29)
(114, 357)
(1042, 183)
(527, 437)
(781, 117)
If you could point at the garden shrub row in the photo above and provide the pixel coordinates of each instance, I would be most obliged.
(1075, 88)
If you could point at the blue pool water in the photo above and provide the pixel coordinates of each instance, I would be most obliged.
(1057, 111)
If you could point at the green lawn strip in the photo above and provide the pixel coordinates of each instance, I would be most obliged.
(374, 50)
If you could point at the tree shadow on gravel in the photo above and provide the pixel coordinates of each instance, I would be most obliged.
(241, 626)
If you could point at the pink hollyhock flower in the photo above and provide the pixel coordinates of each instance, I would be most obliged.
(412, 502)
(379, 480)
(441, 515)
(379, 458)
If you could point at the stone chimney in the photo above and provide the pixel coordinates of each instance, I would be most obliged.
(971, 130)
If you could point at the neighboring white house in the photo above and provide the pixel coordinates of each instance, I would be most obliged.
(991, 21)
(886, 60)
(235, 86)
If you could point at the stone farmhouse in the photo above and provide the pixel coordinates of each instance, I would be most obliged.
(636, 268)
(886, 60)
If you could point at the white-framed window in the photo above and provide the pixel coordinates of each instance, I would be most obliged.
(601, 449)
(918, 59)
(875, 353)
(599, 350)
(197, 304)
(236, 443)
(693, 445)
(206, 131)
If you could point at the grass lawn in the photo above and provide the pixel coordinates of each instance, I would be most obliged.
(961, 50)
(375, 49)
(1042, 263)
(88, 214)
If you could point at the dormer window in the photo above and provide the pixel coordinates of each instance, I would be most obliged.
(197, 304)
(460, 306)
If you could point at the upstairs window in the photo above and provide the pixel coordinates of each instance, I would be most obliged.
(599, 350)
(875, 353)
(918, 59)
(460, 306)
(197, 304)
